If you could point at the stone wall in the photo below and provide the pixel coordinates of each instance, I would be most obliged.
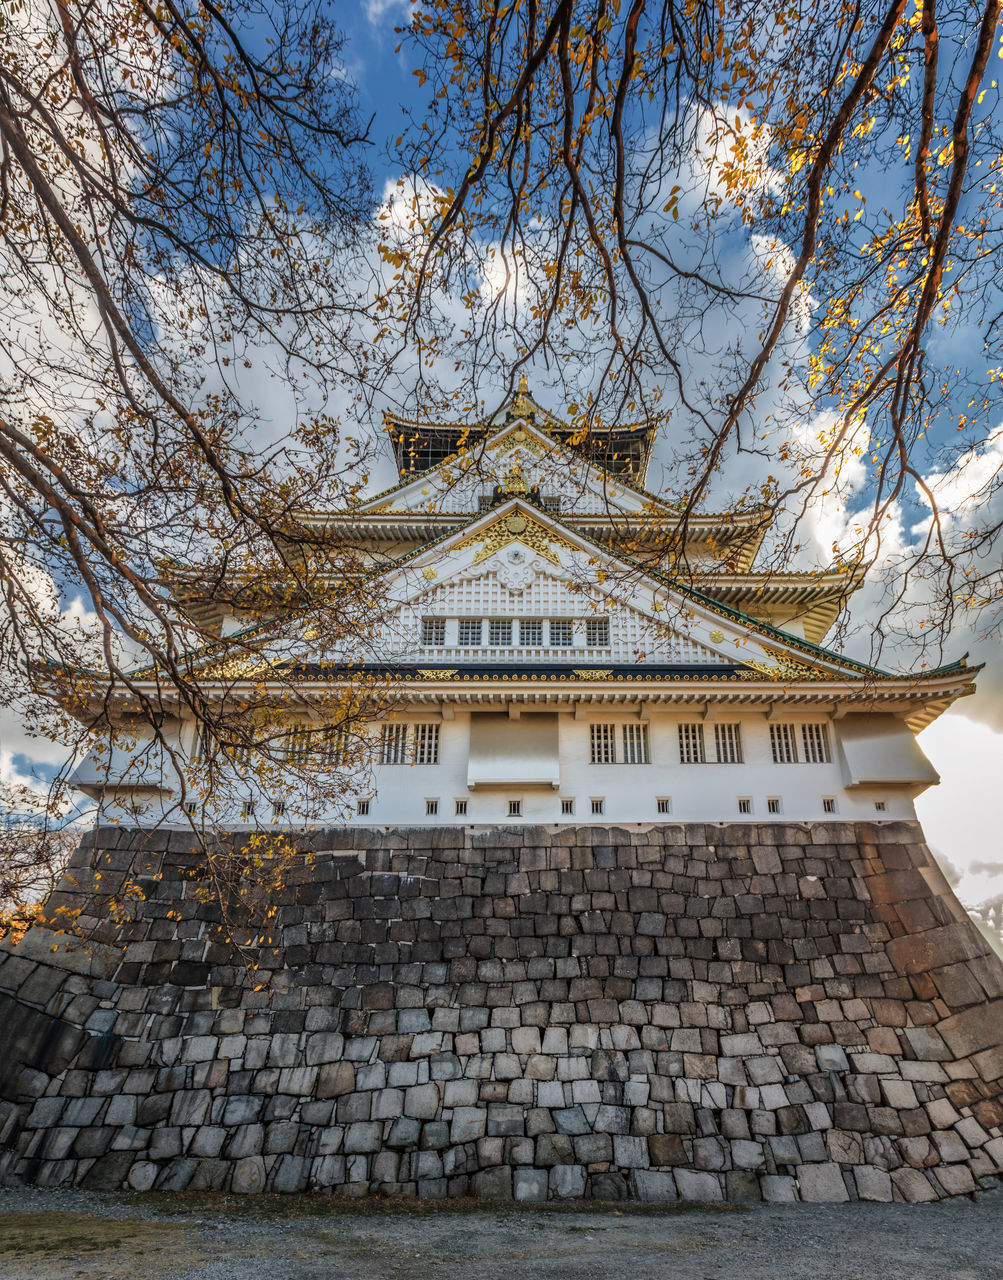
(694, 1011)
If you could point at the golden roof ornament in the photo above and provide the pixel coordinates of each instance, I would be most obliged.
(515, 480)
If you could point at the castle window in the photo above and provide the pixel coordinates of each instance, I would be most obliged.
(500, 631)
(815, 739)
(278, 810)
(598, 806)
(828, 804)
(773, 804)
(880, 806)
(426, 744)
(431, 808)
(468, 632)
(562, 633)
(603, 743)
(597, 633)
(728, 743)
(333, 746)
(362, 808)
(297, 744)
(663, 804)
(515, 808)
(567, 805)
(247, 811)
(744, 804)
(551, 503)
(635, 744)
(484, 501)
(691, 748)
(783, 743)
(461, 808)
(393, 744)
(531, 632)
(191, 808)
(433, 631)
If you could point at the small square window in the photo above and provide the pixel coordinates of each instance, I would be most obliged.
(567, 805)
(247, 811)
(598, 805)
(431, 808)
(531, 632)
(664, 804)
(561, 633)
(191, 808)
(362, 808)
(515, 808)
(279, 810)
(880, 806)
(828, 804)
(500, 631)
(773, 804)
(597, 633)
(461, 808)
(744, 804)
(551, 503)
(433, 631)
(468, 631)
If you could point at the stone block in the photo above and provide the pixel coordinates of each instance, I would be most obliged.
(822, 1184)
(567, 1181)
(657, 1186)
(493, 1184)
(872, 1184)
(693, 1185)
(529, 1184)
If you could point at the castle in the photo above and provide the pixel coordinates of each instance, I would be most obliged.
(632, 902)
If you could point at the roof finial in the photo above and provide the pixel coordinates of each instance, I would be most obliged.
(523, 385)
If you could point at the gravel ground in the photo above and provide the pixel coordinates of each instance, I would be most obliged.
(66, 1235)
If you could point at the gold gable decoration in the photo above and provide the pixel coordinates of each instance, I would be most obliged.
(785, 669)
(516, 528)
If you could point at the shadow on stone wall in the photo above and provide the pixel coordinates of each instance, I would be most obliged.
(698, 1012)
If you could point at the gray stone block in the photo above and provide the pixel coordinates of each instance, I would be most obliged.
(529, 1184)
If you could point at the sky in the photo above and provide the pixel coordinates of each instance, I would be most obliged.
(960, 815)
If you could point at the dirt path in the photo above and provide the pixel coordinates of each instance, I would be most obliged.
(55, 1235)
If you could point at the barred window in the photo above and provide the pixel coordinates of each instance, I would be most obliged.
(597, 633)
(784, 744)
(431, 808)
(515, 808)
(603, 744)
(469, 631)
(691, 748)
(815, 740)
(247, 811)
(728, 743)
(561, 633)
(828, 804)
(567, 805)
(635, 744)
(773, 804)
(426, 744)
(598, 805)
(484, 501)
(461, 808)
(333, 749)
(500, 631)
(531, 631)
(298, 742)
(278, 810)
(393, 744)
(362, 808)
(663, 804)
(433, 631)
(551, 503)
(744, 804)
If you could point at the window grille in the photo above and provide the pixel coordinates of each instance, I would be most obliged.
(247, 811)
(484, 501)
(598, 805)
(567, 805)
(828, 804)
(500, 631)
(531, 632)
(551, 503)
(298, 742)
(728, 743)
(278, 810)
(603, 743)
(393, 744)
(691, 748)
(663, 804)
(744, 805)
(880, 806)
(191, 808)
(362, 808)
(426, 744)
(773, 804)
(562, 633)
(635, 744)
(597, 633)
(461, 808)
(468, 631)
(783, 743)
(433, 631)
(815, 740)
(333, 747)
(515, 808)
(431, 808)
